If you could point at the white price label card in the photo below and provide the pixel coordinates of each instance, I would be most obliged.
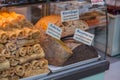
(83, 36)
(54, 31)
(69, 15)
(97, 2)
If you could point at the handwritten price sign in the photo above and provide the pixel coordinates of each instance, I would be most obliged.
(97, 2)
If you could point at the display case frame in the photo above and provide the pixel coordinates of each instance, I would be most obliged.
(77, 72)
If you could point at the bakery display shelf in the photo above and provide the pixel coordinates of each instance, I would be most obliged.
(79, 71)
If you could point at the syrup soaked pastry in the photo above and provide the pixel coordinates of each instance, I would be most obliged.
(6, 53)
(4, 65)
(13, 61)
(22, 51)
(3, 36)
(19, 70)
(11, 46)
(30, 50)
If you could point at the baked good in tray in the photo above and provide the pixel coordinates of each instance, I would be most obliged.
(21, 55)
(93, 18)
(68, 27)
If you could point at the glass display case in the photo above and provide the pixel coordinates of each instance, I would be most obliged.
(51, 40)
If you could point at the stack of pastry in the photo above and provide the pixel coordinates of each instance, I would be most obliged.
(20, 52)
(10, 20)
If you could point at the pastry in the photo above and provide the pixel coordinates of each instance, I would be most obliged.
(11, 46)
(21, 43)
(43, 63)
(12, 35)
(13, 61)
(28, 32)
(2, 59)
(30, 50)
(35, 34)
(5, 53)
(27, 66)
(35, 65)
(20, 34)
(19, 70)
(25, 59)
(3, 36)
(4, 65)
(22, 51)
(37, 48)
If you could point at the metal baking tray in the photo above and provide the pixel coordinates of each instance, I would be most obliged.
(36, 77)
(58, 69)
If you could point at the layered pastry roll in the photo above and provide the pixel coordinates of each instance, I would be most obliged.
(28, 32)
(3, 36)
(15, 54)
(40, 64)
(21, 43)
(2, 58)
(2, 47)
(27, 66)
(35, 33)
(43, 64)
(12, 35)
(27, 23)
(13, 61)
(37, 48)
(4, 65)
(18, 17)
(11, 71)
(6, 53)
(30, 50)
(11, 46)
(22, 51)
(35, 64)
(5, 73)
(20, 33)
(25, 59)
(13, 22)
(19, 70)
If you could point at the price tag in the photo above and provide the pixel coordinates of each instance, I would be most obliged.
(54, 31)
(84, 37)
(69, 15)
(97, 2)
